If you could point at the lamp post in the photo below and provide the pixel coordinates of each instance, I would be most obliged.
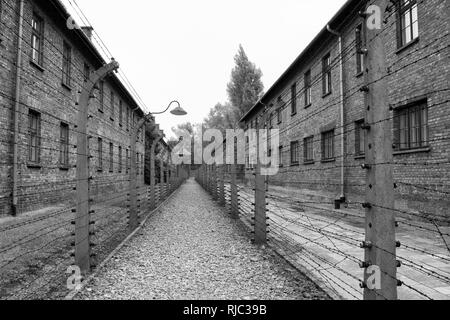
(177, 111)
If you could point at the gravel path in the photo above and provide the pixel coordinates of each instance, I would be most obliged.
(193, 250)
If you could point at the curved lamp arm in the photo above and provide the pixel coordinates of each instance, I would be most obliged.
(170, 104)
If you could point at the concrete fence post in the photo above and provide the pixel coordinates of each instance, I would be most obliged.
(222, 185)
(234, 193)
(82, 212)
(214, 182)
(380, 244)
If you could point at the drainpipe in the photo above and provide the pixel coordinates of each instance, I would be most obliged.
(16, 111)
(341, 68)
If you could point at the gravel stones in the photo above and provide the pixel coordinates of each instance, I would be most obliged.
(193, 250)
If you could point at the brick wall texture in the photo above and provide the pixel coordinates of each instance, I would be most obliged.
(48, 182)
(419, 71)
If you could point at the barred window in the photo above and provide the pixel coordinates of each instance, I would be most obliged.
(308, 146)
(408, 24)
(111, 157)
(120, 112)
(294, 153)
(326, 74)
(113, 102)
(328, 145)
(37, 39)
(120, 159)
(67, 64)
(34, 137)
(64, 145)
(308, 89)
(100, 154)
(102, 96)
(128, 118)
(294, 99)
(359, 47)
(411, 127)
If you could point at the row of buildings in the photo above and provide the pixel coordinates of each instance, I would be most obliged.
(319, 109)
(44, 63)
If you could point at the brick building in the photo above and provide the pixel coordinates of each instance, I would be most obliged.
(322, 136)
(55, 60)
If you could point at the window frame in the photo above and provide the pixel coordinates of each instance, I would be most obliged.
(360, 138)
(100, 154)
(120, 112)
(67, 64)
(328, 145)
(360, 57)
(101, 107)
(295, 153)
(64, 138)
(111, 157)
(402, 9)
(308, 147)
(34, 137)
(420, 110)
(327, 87)
(39, 35)
(294, 99)
(120, 159)
(112, 105)
(308, 88)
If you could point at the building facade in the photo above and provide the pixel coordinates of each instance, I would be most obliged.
(39, 108)
(318, 106)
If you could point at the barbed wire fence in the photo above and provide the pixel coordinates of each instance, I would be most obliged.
(338, 245)
(74, 191)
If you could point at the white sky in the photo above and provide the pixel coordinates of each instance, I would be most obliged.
(184, 50)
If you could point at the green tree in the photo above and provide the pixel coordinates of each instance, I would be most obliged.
(246, 86)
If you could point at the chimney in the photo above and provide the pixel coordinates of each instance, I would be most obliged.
(88, 31)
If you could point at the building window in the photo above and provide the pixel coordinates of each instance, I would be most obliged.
(111, 157)
(64, 145)
(279, 115)
(37, 39)
(360, 138)
(113, 102)
(280, 156)
(411, 127)
(408, 22)
(102, 96)
(308, 89)
(120, 112)
(120, 159)
(359, 54)
(294, 99)
(271, 120)
(34, 137)
(128, 118)
(326, 74)
(86, 72)
(308, 145)
(67, 64)
(328, 145)
(294, 153)
(100, 154)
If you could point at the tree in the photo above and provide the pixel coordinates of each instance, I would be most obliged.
(222, 117)
(246, 87)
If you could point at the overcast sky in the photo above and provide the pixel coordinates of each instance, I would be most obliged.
(184, 50)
